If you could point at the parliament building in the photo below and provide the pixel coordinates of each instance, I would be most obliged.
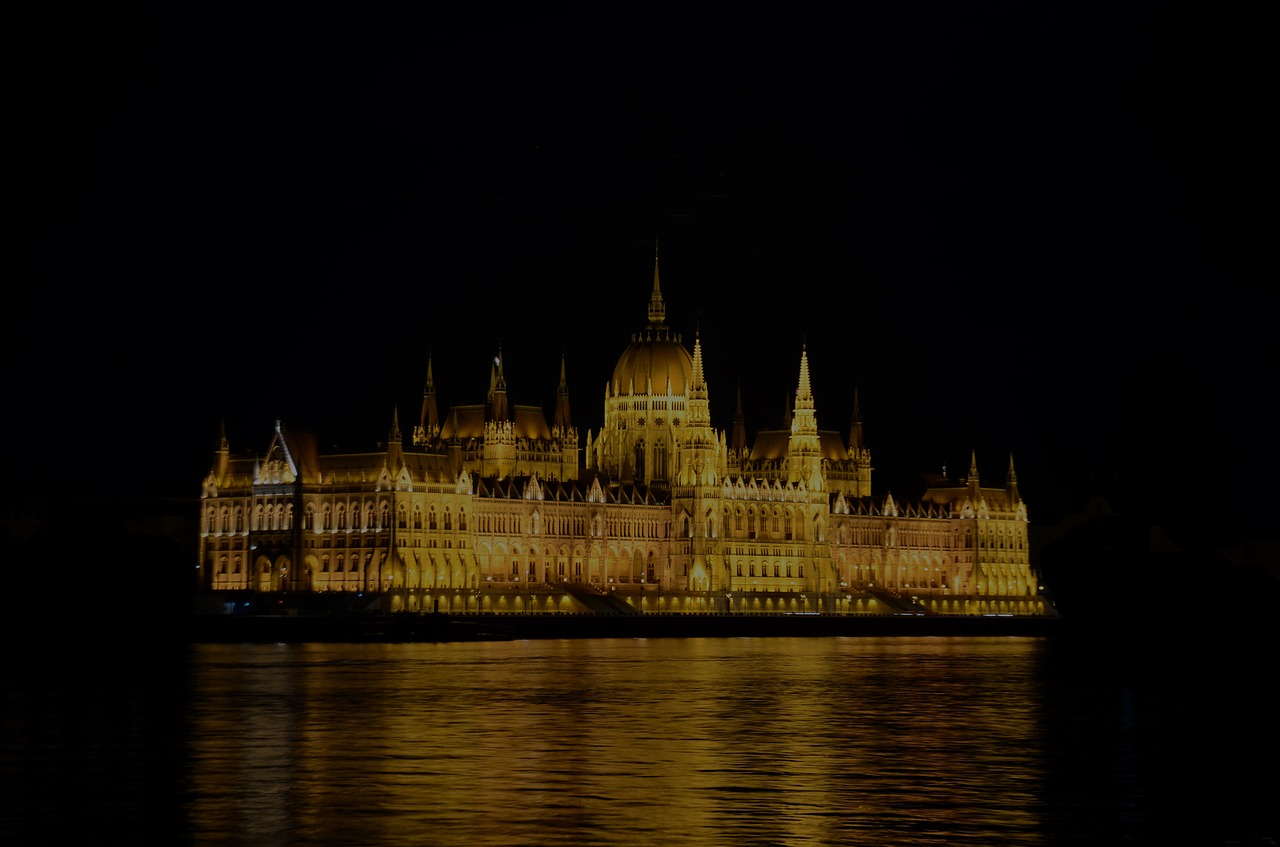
(494, 509)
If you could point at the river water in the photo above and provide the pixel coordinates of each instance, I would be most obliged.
(669, 741)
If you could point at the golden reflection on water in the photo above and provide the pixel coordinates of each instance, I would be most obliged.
(806, 741)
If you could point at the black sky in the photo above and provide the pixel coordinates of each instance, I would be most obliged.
(1013, 227)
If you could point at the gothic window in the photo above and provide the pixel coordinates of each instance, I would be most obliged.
(324, 565)
(739, 568)
(236, 566)
(462, 519)
(353, 563)
(402, 518)
(448, 519)
(431, 519)
(640, 477)
(685, 529)
(341, 516)
(222, 565)
(328, 518)
(751, 569)
(660, 460)
(417, 517)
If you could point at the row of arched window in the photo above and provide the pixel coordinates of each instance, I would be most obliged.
(229, 520)
(779, 569)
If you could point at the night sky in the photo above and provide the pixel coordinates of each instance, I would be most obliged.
(1012, 227)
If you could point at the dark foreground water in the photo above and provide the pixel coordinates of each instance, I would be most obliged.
(679, 741)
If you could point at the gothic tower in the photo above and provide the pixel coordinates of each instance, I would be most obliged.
(695, 496)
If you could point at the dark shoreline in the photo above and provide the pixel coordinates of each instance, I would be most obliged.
(441, 627)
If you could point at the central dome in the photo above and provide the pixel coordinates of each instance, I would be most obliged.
(653, 358)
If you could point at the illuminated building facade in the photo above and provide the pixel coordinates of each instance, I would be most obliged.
(492, 509)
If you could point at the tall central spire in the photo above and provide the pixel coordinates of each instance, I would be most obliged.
(657, 309)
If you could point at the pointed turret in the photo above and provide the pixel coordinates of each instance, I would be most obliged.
(428, 428)
(1011, 482)
(561, 421)
(395, 442)
(804, 419)
(859, 455)
(739, 440)
(699, 403)
(804, 449)
(974, 486)
(223, 460)
(856, 439)
(498, 390)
